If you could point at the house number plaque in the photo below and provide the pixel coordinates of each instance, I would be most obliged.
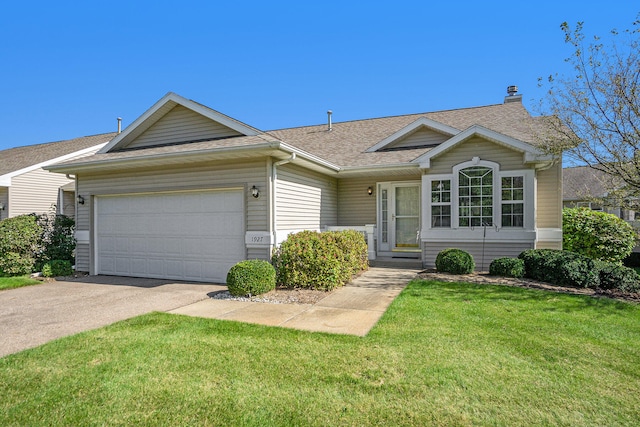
(258, 239)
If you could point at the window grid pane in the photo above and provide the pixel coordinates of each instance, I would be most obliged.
(441, 203)
(475, 197)
(512, 201)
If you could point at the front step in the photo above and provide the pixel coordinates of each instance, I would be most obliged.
(394, 262)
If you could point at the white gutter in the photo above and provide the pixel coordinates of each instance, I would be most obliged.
(274, 174)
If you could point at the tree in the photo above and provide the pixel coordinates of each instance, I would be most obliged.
(593, 114)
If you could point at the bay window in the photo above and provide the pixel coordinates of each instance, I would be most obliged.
(478, 194)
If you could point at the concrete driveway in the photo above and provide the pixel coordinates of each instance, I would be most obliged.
(34, 315)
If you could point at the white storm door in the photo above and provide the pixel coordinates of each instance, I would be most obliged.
(399, 217)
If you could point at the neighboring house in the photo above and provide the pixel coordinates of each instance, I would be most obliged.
(583, 186)
(185, 192)
(27, 188)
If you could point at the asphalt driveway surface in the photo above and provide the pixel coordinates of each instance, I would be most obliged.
(34, 315)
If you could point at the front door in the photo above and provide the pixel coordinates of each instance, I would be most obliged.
(399, 218)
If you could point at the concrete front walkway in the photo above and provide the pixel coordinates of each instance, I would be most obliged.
(353, 309)
(34, 315)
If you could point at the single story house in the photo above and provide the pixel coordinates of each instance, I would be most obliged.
(27, 188)
(184, 192)
(586, 187)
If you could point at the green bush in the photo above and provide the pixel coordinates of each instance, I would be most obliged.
(14, 264)
(325, 261)
(560, 268)
(58, 241)
(507, 267)
(251, 277)
(455, 261)
(615, 276)
(56, 268)
(20, 244)
(598, 235)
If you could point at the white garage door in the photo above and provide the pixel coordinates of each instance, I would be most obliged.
(185, 236)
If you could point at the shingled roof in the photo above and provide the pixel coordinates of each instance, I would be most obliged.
(346, 144)
(584, 183)
(14, 159)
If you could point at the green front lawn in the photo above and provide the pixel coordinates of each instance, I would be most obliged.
(17, 282)
(443, 354)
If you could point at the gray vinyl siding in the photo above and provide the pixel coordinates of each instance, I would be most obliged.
(492, 250)
(305, 200)
(195, 177)
(355, 206)
(507, 158)
(4, 199)
(419, 138)
(35, 191)
(549, 189)
(181, 125)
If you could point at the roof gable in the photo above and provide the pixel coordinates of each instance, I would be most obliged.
(423, 132)
(177, 120)
(531, 154)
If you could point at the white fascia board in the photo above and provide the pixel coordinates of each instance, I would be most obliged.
(308, 156)
(5, 180)
(194, 106)
(140, 160)
(476, 130)
(366, 169)
(422, 121)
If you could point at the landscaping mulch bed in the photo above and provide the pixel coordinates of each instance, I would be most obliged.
(485, 278)
(280, 296)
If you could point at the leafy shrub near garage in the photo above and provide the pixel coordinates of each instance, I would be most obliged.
(251, 277)
(323, 261)
(560, 267)
(15, 264)
(455, 261)
(20, 244)
(507, 267)
(598, 235)
(616, 276)
(56, 268)
(58, 241)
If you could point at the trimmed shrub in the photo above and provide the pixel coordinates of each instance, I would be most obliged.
(14, 264)
(20, 244)
(615, 276)
(251, 277)
(598, 235)
(560, 267)
(324, 261)
(56, 268)
(455, 261)
(507, 267)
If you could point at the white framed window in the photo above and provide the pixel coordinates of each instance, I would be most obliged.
(477, 194)
(512, 195)
(441, 203)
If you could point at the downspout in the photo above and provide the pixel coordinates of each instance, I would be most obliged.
(274, 193)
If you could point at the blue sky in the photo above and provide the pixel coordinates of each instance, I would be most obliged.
(68, 69)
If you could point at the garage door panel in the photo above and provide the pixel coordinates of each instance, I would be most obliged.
(188, 236)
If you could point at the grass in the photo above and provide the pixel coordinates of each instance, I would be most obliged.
(443, 354)
(17, 282)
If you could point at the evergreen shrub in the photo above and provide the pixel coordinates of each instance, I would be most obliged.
(455, 261)
(507, 267)
(251, 277)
